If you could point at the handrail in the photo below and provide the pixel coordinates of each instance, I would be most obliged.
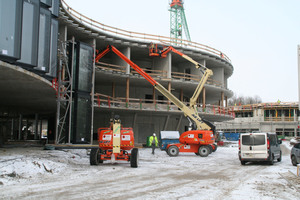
(135, 35)
(106, 101)
(157, 73)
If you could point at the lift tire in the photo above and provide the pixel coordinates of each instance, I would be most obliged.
(216, 147)
(204, 151)
(95, 156)
(210, 149)
(173, 151)
(134, 158)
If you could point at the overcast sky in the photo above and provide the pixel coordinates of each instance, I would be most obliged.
(259, 36)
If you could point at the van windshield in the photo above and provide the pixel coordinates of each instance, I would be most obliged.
(253, 140)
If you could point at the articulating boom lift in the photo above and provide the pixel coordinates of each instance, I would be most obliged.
(200, 141)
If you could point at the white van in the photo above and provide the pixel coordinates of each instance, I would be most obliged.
(259, 147)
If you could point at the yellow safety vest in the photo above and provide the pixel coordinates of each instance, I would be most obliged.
(151, 140)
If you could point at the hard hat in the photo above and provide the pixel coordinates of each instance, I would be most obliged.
(154, 134)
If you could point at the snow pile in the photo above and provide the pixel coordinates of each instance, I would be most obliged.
(35, 163)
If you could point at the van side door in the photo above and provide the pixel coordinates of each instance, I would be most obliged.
(274, 145)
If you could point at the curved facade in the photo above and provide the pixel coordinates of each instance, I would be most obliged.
(119, 90)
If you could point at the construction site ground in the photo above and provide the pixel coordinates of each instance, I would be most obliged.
(34, 173)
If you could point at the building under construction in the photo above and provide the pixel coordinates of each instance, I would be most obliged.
(52, 88)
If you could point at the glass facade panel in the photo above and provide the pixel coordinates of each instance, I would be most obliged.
(55, 7)
(81, 130)
(10, 28)
(30, 30)
(44, 40)
(85, 68)
(53, 48)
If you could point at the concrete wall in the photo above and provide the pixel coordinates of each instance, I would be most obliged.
(143, 124)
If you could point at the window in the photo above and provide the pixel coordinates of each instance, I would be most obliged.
(200, 136)
(253, 140)
(273, 140)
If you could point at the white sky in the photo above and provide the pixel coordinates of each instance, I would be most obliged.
(259, 36)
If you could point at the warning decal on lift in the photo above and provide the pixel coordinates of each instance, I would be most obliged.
(106, 137)
(126, 137)
(191, 136)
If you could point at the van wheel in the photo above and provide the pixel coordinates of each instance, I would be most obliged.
(294, 160)
(279, 159)
(204, 151)
(243, 162)
(272, 160)
(173, 151)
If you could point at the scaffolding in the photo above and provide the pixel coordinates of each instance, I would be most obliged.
(64, 94)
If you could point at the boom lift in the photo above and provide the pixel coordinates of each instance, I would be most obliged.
(201, 139)
(114, 143)
(162, 51)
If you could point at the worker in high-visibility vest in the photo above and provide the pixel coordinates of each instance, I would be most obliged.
(153, 142)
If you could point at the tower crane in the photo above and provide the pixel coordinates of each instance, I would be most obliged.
(178, 22)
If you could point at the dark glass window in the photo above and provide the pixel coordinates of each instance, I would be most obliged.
(253, 140)
(44, 40)
(30, 30)
(10, 28)
(200, 136)
(85, 68)
(55, 7)
(53, 48)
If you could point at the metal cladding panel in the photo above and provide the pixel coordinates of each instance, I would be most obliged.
(10, 29)
(30, 33)
(53, 48)
(47, 3)
(44, 40)
(55, 8)
(81, 119)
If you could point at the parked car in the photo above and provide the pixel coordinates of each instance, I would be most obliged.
(259, 147)
(295, 154)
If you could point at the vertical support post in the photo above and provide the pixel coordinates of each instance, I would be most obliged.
(222, 100)
(153, 94)
(181, 95)
(113, 90)
(36, 125)
(169, 89)
(20, 127)
(166, 123)
(127, 91)
(93, 92)
(299, 73)
(12, 129)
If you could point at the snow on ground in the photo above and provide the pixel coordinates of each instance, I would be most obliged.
(33, 173)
